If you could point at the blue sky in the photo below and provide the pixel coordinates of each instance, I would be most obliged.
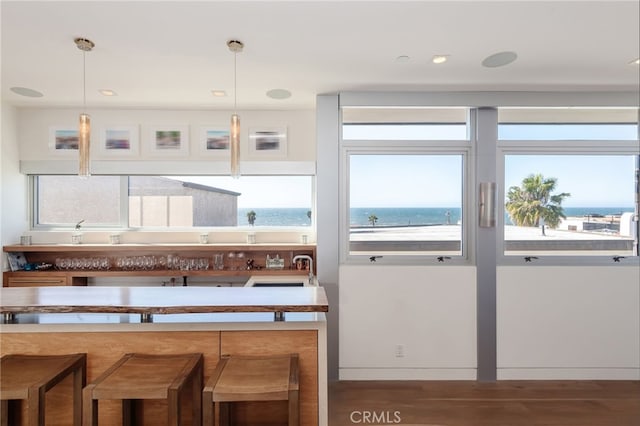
(262, 191)
(406, 180)
(592, 181)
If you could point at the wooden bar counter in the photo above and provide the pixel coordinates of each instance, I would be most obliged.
(107, 322)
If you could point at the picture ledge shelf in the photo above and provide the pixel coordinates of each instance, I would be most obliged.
(169, 167)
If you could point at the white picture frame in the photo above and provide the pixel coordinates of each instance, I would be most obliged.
(215, 141)
(168, 140)
(119, 141)
(63, 140)
(268, 142)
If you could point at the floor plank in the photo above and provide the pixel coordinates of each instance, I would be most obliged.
(505, 403)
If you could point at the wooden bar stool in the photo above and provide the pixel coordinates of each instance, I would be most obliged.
(29, 377)
(140, 376)
(251, 378)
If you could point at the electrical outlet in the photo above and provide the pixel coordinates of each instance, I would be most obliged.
(399, 351)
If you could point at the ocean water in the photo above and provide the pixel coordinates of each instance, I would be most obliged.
(395, 216)
(276, 216)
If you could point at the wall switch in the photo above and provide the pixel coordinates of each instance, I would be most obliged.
(399, 351)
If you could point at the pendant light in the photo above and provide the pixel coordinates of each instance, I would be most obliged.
(236, 47)
(84, 126)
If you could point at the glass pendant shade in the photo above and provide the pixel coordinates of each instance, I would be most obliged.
(235, 146)
(84, 125)
(235, 47)
(84, 135)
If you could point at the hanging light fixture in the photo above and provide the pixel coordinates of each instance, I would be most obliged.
(236, 47)
(84, 126)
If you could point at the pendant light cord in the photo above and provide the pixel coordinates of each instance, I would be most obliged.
(84, 81)
(235, 83)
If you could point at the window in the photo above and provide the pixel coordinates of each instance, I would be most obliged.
(173, 202)
(570, 184)
(405, 124)
(569, 204)
(404, 186)
(568, 124)
(405, 131)
(541, 131)
(405, 204)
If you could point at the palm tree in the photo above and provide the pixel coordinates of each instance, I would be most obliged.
(532, 201)
(373, 219)
(251, 217)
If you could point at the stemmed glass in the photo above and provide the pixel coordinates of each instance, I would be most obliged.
(232, 261)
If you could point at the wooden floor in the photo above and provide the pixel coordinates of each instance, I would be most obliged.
(505, 403)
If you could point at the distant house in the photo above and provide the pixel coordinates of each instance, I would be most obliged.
(157, 201)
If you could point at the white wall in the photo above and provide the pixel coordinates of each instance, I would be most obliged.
(557, 322)
(430, 311)
(34, 126)
(13, 186)
(568, 322)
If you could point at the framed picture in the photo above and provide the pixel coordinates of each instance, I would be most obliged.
(214, 140)
(168, 140)
(119, 141)
(17, 261)
(63, 139)
(268, 142)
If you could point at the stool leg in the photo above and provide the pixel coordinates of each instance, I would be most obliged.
(79, 381)
(196, 392)
(4, 413)
(89, 407)
(294, 408)
(208, 418)
(173, 410)
(35, 406)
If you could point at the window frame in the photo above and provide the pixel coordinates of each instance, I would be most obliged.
(123, 226)
(557, 147)
(407, 147)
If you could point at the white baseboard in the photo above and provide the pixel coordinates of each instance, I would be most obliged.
(502, 374)
(407, 374)
(568, 374)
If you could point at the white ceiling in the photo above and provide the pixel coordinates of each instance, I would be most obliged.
(172, 54)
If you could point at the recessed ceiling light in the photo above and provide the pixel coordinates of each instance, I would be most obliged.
(499, 59)
(219, 93)
(107, 92)
(635, 62)
(279, 94)
(403, 58)
(439, 59)
(25, 91)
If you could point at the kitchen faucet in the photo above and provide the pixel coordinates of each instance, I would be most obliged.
(310, 260)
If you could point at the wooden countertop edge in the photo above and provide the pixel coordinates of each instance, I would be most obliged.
(168, 300)
(155, 247)
(159, 309)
